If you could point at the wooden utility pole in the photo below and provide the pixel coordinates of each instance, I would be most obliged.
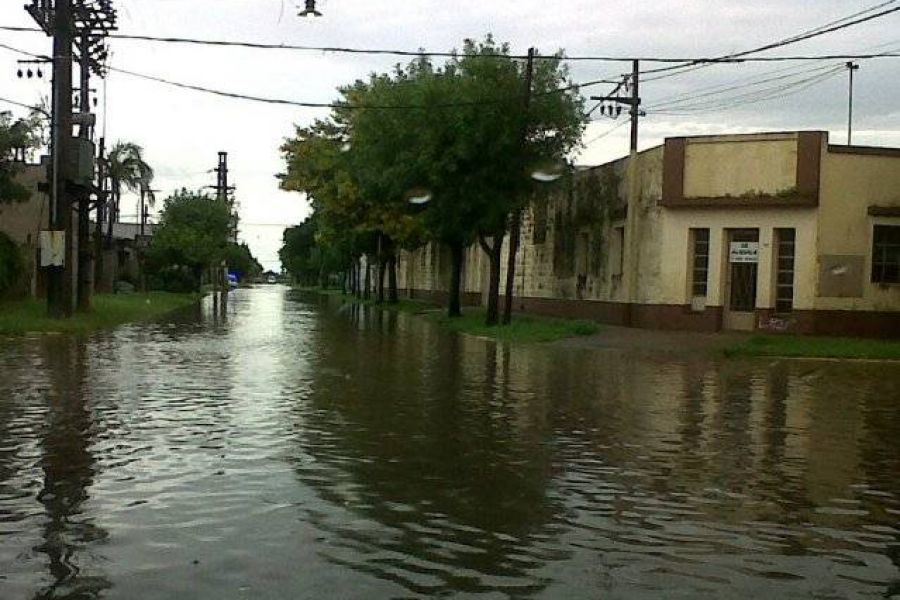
(635, 103)
(515, 227)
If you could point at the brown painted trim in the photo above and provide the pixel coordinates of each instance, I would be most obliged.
(753, 137)
(850, 323)
(884, 211)
(673, 172)
(864, 150)
(756, 201)
(809, 164)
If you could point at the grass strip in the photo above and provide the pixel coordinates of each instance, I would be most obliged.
(523, 328)
(815, 347)
(110, 310)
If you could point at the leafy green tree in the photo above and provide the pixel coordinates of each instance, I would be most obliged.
(472, 145)
(240, 260)
(191, 237)
(11, 264)
(16, 139)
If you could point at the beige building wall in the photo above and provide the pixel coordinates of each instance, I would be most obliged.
(674, 275)
(632, 263)
(23, 221)
(851, 184)
(740, 165)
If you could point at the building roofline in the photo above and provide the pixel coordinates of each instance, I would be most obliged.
(866, 150)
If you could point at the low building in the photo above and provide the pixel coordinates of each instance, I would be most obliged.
(770, 231)
(23, 222)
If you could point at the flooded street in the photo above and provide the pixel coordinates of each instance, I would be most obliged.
(298, 448)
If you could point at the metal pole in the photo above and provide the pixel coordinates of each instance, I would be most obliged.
(635, 103)
(84, 249)
(851, 67)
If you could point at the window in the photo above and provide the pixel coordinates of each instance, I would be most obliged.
(784, 274)
(886, 254)
(700, 262)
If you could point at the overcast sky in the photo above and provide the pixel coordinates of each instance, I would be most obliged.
(182, 130)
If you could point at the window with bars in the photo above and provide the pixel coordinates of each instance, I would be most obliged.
(700, 262)
(886, 254)
(784, 275)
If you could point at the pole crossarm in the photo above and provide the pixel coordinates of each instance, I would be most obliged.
(94, 20)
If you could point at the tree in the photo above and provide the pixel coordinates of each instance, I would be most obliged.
(16, 139)
(126, 169)
(458, 136)
(241, 261)
(191, 237)
(472, 145)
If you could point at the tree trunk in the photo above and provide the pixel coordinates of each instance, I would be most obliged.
(98, 244)
(393, 297)
(493, 303)
(456, 264)
(367, 283)
(380, 272)
(514, 235)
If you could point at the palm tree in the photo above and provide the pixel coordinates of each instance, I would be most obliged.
(126, 169)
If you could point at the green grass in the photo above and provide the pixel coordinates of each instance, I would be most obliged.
(815, 347)
(524, 328)
(110, 310)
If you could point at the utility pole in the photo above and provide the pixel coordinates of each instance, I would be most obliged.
(85, 280)
(85, 24)
(515, 228)
(223, 193)
(59, 284)
(851, 67)
(102, 203)
(633, 101)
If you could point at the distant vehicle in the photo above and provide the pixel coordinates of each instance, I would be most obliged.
(271, 279)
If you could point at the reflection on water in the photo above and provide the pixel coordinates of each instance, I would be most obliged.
(292, 447)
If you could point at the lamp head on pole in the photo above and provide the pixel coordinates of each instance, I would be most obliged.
(310, 10)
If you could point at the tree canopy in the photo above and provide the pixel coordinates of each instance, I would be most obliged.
(457, 137)
(17, 137)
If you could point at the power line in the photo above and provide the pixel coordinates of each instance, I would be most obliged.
(733, 58)
(23, 105)
(606, 133)
(751, 98)
(822, 30)
(304, 104)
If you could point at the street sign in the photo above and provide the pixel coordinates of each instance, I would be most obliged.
(744, 252)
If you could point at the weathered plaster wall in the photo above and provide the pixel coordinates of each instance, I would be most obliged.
(675, 238)
(851, 183)
(736, 166)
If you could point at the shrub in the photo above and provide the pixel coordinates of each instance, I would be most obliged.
(11, 264)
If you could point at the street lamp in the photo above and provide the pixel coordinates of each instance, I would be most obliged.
(310, 10)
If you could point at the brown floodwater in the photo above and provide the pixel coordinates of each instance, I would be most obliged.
(297, 448)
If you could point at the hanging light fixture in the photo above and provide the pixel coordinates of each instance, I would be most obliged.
(310, 10)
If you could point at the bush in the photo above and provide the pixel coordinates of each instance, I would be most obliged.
(12, 264)
(175, 278)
